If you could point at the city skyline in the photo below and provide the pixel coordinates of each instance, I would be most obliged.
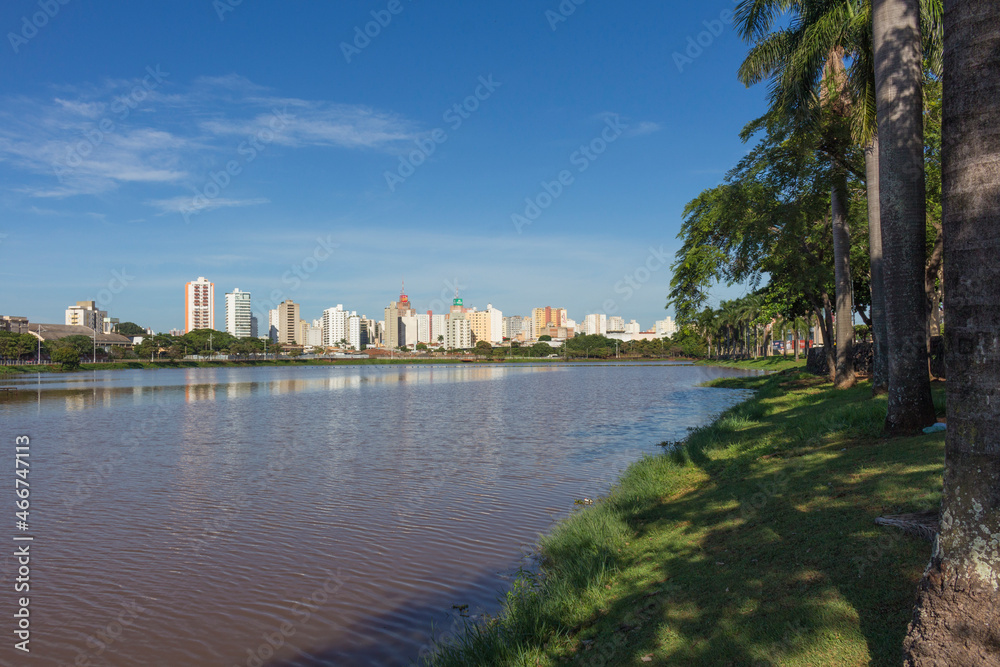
(149, 161)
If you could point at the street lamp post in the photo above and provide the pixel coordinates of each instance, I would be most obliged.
(38, 361)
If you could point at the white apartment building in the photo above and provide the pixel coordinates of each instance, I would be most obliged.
(595, 324)
(336, 326)
(665, 327)
(86, 314)
(458, 333)
(199, 305)
(408, 329)
(632, 327)
(423, 328)
(238, 314)
(313, 334)
(512, 327)
(616, 323)
(357, 335)
(438, 324)
(273, 325)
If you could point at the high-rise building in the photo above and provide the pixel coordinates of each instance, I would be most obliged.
(394, 333)
(616, 324)
(87, 314)
(199, 305)
(273, 325)
(632, 327)
(288, 323)
(371, 331)
(438, 323)
(549, 317)
(665, 327)
(512, 326)
(458, 332)
(335, 326)
(527, 329)
(356, 336)
(486, 325)
(239, 319)
(595, 324)
(423, 328)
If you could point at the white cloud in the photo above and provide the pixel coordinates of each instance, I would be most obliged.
(95, 139)
(191, 204)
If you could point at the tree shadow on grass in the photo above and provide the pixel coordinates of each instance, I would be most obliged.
(778, 564)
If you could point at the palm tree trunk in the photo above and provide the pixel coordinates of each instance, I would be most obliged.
(880, 335)
(824, 318)
(795, 326)
(844, 376)
(955, 619)
(899, 97)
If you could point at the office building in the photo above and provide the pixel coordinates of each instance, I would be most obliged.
(239, 319)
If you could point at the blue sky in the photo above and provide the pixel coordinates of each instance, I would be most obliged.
(143, 145)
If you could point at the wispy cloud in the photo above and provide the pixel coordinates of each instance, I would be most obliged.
(184, 203)
(633, 128)
(94, 139)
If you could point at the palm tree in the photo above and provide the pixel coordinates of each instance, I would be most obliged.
(805, 63)
(955, 619)
(899, 94)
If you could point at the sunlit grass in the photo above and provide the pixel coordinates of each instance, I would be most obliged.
(753, 543)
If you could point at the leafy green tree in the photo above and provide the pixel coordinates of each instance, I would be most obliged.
(544, 337)
(68, 356)
(17, 346)
(129, 329)
(541, 349)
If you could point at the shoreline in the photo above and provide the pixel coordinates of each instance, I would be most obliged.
(135, 364)
(752, 542)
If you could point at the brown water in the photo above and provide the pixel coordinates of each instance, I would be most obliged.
(312, 515)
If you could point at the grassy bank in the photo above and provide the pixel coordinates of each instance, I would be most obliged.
(776, 363)
(753, 544)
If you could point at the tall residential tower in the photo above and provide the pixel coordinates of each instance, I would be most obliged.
(199, 305)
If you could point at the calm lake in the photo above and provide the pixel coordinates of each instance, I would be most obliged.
(204, 516)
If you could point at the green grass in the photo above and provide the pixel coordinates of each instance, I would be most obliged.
(754, 543)
(775, 363)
